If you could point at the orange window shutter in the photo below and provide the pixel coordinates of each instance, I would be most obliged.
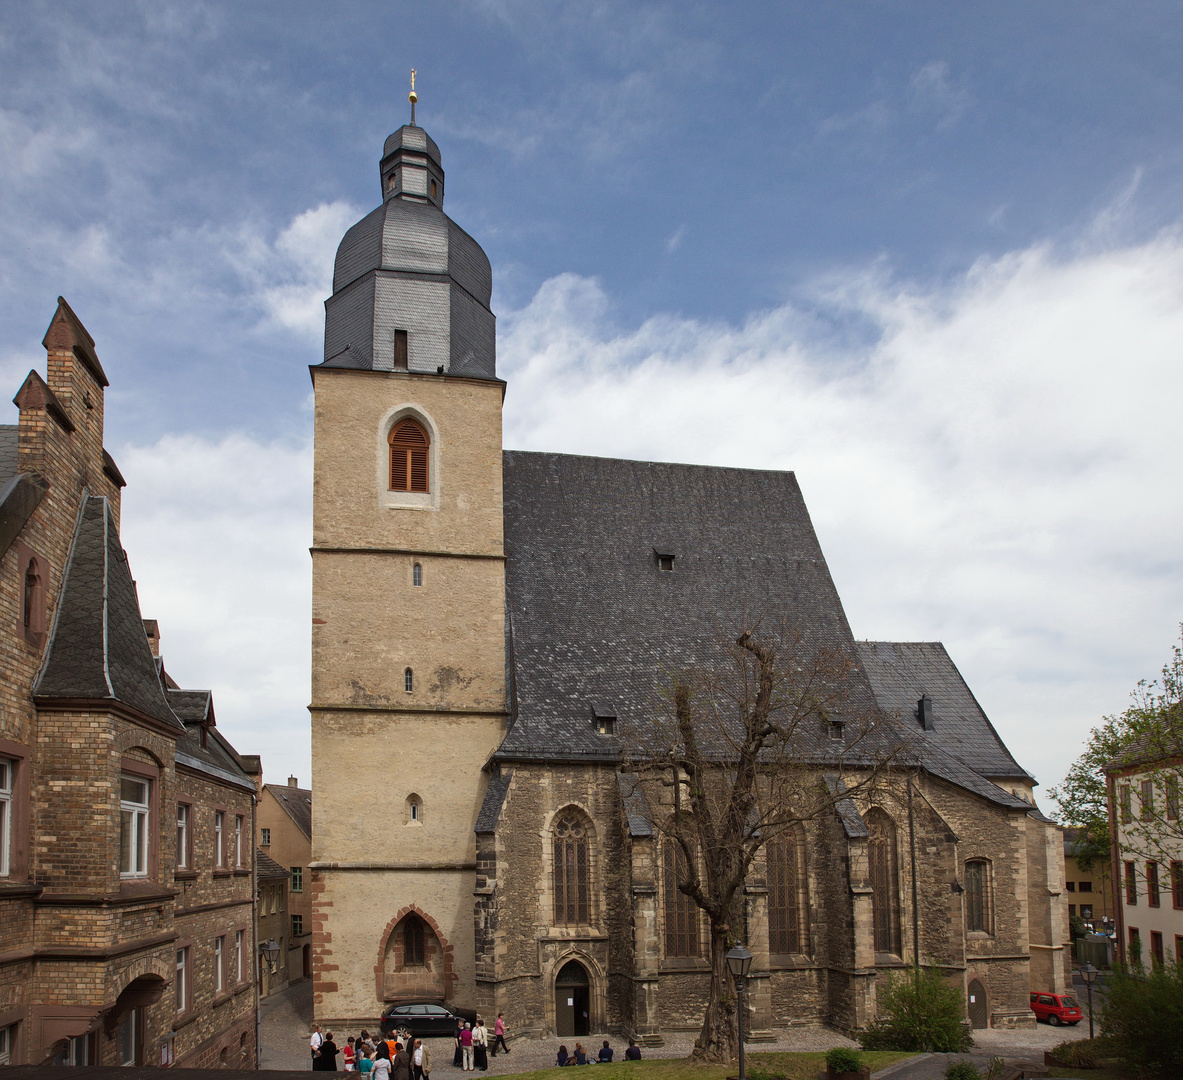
(398, 469)
(418, 470)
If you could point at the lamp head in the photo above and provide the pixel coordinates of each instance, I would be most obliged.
(1088, 973)
(739, 961)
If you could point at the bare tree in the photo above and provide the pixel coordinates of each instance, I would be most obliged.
(736, 758)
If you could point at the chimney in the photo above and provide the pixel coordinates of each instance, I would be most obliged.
(924, 712)
(152, 629)
(293, 782)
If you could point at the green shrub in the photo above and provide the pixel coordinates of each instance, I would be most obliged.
(842, 1059)
(1086, 1053)
(1143, 1015)
(920, 1012)
(962, 1070)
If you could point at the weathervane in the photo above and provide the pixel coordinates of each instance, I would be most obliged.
(412, 97)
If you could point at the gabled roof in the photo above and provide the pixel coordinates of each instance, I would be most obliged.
(203, 747)
(595, 623)
(297, 802)
(902, 671)
(97, 647)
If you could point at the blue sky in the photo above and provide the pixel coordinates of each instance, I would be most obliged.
(927, 255)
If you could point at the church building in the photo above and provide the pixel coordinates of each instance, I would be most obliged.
(490, 628)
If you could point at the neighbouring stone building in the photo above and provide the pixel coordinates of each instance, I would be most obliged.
(489, 625)
(1088, 891)
(273, 925)
(126, 870)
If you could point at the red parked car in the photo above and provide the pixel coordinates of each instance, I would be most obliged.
(1056, 1009)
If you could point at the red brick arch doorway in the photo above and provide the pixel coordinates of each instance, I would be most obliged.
(414, 958)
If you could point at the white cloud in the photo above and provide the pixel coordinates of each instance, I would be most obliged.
(217, 533)
(998, 470)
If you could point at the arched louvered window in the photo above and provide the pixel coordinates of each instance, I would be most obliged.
(572, 875)
(681, 913)
(786, 892)
(409, 447)
(883, 856)
(979, 913)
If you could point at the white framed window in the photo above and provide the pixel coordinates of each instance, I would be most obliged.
(133, 826)
(182, 980)
(219, 838)
(239, 955)
(264, 838)
(129, 1038)
(219, 964)
(238, 823)
(7, 1037)
(75, 1052)
(183, 813)
(7, 771)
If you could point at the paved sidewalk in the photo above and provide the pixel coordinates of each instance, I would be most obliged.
(286, 1024)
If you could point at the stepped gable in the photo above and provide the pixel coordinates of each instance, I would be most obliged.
(902, 671)
(98, 650)
(595, 625)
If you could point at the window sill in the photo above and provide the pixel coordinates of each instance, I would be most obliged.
(240, 988)
(222, 998)
(185, 875)
(223, 873)
(242, 871)
(671, 964)
(184, 1020)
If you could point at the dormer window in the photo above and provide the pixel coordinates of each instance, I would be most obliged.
(837, 731)
(604, 720)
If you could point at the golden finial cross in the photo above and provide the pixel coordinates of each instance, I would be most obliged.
(412, 97)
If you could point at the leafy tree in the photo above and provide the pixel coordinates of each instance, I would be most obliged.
(1150, 731)
(1142, 1016)
(920, 1012)
(731, 762)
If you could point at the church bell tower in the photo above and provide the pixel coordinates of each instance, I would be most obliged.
(408, 598)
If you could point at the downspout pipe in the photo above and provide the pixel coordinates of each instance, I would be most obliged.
(915, 888)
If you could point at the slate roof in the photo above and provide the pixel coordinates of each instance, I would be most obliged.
(267, 868)
(594, 624)
(902, 671)
(8, 445)
(486, 821)
(97, 647)
(212, 754)
(297, 802)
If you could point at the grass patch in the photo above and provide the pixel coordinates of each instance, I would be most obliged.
(793, 1066)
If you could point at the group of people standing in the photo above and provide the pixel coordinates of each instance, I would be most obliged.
(472, 1043)
(376, 1058)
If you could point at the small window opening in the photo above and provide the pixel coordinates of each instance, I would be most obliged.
(391, 180)
(837, 731)
(606, 725)
(408, 680)
(417, 575)
(400, 350)
(414, 811)
(434, 190)
(665, 562)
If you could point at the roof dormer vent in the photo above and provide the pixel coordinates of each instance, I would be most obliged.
(924, 712)
(604, 719)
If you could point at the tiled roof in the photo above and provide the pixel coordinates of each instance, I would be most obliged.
(297, 802)
(268, 869)
(902, 671)
(97, 646)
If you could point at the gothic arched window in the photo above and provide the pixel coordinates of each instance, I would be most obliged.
(572, 875)
(681, 913)
(408, 681)
(409, 447)
(883, 857)
(979, 910)
(786, 893)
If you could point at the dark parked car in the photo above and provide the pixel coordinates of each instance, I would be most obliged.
(423, 1020)
(1056, 1009)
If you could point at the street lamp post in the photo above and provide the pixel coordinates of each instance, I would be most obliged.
(1089, 974)
(739, 961)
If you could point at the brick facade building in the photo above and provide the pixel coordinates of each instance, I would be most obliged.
(285, 834)
(126, 882)
(493, 623)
